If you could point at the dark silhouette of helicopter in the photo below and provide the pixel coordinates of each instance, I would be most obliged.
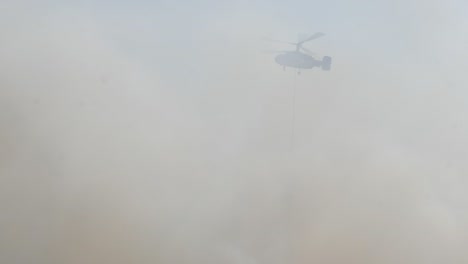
(302, 58)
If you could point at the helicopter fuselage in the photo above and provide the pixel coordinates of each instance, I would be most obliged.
(296, 59)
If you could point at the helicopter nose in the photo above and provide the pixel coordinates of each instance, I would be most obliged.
(278, 58)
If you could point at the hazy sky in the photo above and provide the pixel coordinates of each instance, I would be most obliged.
(160, 132)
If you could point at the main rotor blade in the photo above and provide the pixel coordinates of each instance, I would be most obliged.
(314, 36)
(308, 51)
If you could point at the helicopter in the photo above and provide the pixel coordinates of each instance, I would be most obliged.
(302, 58)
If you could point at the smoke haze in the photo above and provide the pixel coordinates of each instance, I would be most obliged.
(140, 132)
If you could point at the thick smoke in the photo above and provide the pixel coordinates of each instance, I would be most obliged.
(161, 133)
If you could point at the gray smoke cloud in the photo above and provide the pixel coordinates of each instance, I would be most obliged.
(161, 133)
